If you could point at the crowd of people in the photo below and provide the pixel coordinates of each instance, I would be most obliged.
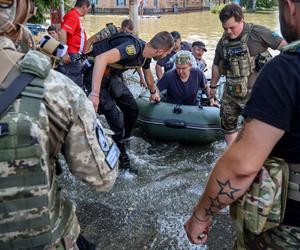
(44, 112)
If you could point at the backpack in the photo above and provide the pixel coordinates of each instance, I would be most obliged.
(262, 206)
(33, 211)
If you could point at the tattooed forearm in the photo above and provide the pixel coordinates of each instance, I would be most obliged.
(241, 132)
(226, 189)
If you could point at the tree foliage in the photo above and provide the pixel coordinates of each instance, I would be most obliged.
(261, 4)
(43, 6)
(266, 3)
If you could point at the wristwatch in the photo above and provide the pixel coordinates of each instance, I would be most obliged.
(153, 92)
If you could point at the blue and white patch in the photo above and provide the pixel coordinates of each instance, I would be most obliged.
(4, 129)
(101, 136)
(113, 156)
(275, 34)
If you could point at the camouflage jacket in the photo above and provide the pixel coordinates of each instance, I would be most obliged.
(80, 147)
(72, 130)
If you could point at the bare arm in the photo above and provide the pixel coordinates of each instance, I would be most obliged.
(233, 174)
(142, 80)
(151, 85)
(90, 42)
(63, 38)
(159, 71)
(282, 44)
(101, 62)
(215, 76)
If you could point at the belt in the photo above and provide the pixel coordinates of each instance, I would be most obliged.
(294, 182)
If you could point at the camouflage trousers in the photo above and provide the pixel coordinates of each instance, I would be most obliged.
(231, 109)
(280, 238)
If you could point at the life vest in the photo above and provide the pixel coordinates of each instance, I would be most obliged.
(33, 211)
(106, 45)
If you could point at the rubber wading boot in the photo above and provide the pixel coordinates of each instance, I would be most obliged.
(125, 160)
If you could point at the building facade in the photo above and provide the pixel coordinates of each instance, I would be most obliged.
(152, 6)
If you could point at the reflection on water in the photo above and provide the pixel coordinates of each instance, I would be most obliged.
(148, 211)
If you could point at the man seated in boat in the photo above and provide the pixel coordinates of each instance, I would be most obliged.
(183, 82)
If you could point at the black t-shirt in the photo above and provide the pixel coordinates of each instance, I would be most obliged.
(130, 48)
(275, 100)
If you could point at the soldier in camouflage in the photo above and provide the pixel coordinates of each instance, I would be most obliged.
(51, 115)
(241, 46)
(271, 131)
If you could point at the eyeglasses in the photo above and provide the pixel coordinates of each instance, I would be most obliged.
(6, 3)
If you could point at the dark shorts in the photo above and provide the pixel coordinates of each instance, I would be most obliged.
(73, 70)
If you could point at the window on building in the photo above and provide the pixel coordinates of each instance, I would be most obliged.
(121, 2)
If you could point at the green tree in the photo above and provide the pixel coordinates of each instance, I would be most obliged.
(253, 4)
(43, 6)
(266, 3)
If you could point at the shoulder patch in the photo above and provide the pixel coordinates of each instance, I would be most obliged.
(101, 136)
(130, 50)
(275, 34)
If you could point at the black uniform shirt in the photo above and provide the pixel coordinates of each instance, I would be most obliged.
(130, 48)
(275, 100)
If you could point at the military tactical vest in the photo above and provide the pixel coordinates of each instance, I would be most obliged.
(106, 45)
(238, 63)
(33, 211)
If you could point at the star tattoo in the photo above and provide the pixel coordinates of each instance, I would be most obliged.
(215, 202)
(209, 212)
(227, 189)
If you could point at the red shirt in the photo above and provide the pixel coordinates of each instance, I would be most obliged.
(76, 36)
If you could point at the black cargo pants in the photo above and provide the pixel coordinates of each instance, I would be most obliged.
(118, 106)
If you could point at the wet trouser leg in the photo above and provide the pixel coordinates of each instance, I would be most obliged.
(116, 119)
(112, 114)
(128, 106)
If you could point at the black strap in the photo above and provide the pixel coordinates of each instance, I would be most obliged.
(14, 90)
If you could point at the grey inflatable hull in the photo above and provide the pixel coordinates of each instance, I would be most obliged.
(190, 124)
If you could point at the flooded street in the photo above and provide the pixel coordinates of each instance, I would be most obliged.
(148, 211)
(204, 26)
